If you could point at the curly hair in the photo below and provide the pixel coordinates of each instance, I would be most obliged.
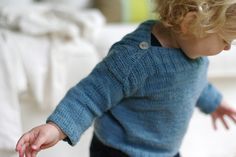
(212, 16)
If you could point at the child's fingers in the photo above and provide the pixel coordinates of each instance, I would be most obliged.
(40, 140)
(34, 153)
(22, 144)
(233, 118)
(23, 149)
(224, 122)
(214, 123)
(28, 152)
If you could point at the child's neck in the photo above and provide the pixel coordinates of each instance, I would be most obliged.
(164, 35)
(171, 39)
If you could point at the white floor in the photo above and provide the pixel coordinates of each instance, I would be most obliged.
(200, 141)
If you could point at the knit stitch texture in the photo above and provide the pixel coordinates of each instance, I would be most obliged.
(140, 97)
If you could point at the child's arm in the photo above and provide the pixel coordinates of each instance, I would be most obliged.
(211, 102)
(223, 110)
(41, 137)
(118, 76)
(108, 83)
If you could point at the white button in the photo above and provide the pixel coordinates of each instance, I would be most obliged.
(144, 45)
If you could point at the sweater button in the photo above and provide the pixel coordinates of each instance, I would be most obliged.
(144, 45)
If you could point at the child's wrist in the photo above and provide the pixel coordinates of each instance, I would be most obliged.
(62, 135)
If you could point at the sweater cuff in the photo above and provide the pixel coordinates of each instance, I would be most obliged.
(209, 100)
(66, 125)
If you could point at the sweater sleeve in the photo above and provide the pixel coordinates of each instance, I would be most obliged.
(209, 99)
(108, 83)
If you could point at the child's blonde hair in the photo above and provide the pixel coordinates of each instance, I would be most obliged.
(212, 16)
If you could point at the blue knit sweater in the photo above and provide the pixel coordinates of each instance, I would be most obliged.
(140, 97)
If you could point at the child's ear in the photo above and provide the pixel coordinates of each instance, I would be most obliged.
(187, 20)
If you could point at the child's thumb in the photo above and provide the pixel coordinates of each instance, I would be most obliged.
(40, 140)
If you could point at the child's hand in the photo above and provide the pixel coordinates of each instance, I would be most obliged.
(223, 110)
(39, 138)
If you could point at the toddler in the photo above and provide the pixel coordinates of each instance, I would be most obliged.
(142, 95)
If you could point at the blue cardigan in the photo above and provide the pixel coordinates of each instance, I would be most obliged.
(140, 97)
